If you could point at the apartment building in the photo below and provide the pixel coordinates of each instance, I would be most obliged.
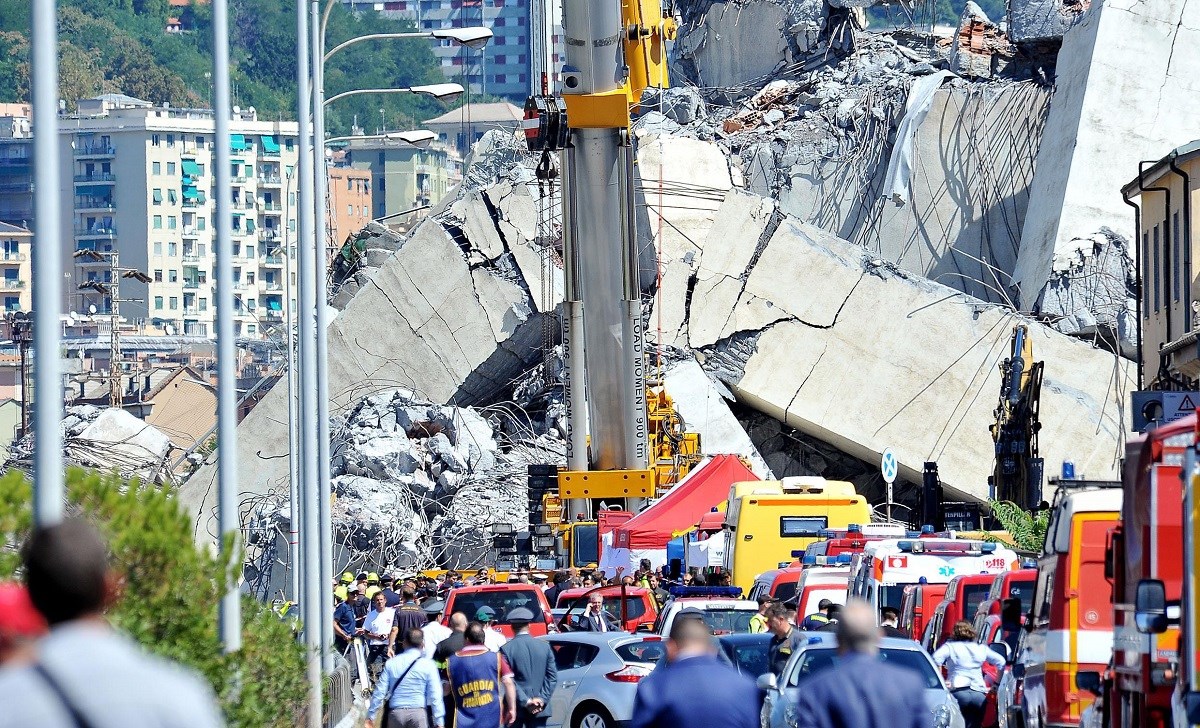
(16, 268)
(467, 124)
(1168, 211)
(349, 203)
(16, 167)
(138, 181)
(404, 177)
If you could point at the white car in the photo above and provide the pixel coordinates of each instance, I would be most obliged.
(598, 676)
(820, 652)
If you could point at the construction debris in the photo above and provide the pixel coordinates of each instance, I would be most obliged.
(979, 49)
(107, 439)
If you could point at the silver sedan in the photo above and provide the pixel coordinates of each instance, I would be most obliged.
(820, 652)
(598, 676)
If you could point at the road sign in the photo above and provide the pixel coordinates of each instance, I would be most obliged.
(890, 466)
(1177, 405)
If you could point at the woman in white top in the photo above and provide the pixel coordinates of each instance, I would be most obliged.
(963, 659)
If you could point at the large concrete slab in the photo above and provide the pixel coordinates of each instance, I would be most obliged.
(1126, 90)
(703, 403)
(427, 321)
(865, 356)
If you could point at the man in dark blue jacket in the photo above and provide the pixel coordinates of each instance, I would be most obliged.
(861, 691)
(695, 688)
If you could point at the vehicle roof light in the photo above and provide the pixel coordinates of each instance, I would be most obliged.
(844, 558)
(810, 559)
(904, 545)
(854, 528)
(798, 553)
(705, 591)
(927, 528)
(987, 548)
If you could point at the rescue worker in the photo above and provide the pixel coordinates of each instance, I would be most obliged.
(834, 613)
(344, 625)
(393, 599)
(372, 586)
(860, 690)
(360, 605)
(758, 623)
(409, 614)
(785, 638)
(535, 673)
(493, 639)
(481, 682)
(963, 659)
(347, 578)
(695, 688)
(380, 630)
(889, 622)
(441, 657)
(434, 630)
(654, 584)
(410, 687)
(817, 619)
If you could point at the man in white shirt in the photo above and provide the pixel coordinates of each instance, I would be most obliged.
(380, 630)
(434, 630)
(492, 638)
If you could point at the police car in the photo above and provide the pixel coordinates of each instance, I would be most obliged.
(720, 607)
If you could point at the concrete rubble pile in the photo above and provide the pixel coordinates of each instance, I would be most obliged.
(107, 439)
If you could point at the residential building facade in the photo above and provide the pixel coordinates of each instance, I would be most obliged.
(404, 178)
(16, 169)
(1164, 195)
(16, 268)
(349, 203)
(136, 192)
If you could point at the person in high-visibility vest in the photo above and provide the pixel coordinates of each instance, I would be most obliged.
(758, 623)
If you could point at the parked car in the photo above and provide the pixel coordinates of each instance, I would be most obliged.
(747, 652)
(502, 599)
(722, 612)
(639, 605)
(820, 652)
(598, 676)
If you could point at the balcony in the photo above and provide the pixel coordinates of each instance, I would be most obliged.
(11, 284)
(16, 187)
(190, 257)
(96, 231)
(269, 180)
(268, 235)
(189, 231)
(190, 286)
(191, 310)
(94, 150)
(94, 177)
(272, 315)
(94, 204)
(272, 287)
(13, 258)
(15, 160)
(272, 208)
(16, 214)
(194, 328)
(273, 260)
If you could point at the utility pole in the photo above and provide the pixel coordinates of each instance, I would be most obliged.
(20, 331)
(112, 289)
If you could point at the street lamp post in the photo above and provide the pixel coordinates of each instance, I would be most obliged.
(111, 289)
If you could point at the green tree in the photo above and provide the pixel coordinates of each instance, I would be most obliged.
(1028, 530)
(172, 589)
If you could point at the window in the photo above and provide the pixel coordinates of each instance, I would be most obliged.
(170, 140)
(156, 195)
(290, 168)
(158, 276)
(382, 184)
(1145, 284)
(292, 198)
(172, 197)
(173, 276)
(381, 158)
(156, 167)
(199, 170)
(172, 222)
(201, 250)
(289, 144)
(249, 251)
(366, 212)
(249, 277)
(292, 226)
(154, 141)
(1176, 255)
(251, 304)
(349, 209)
(793, 526)
(201, 223)
(200, 142)
(203, 304)
(251, 329)
(348, 183)
(172, 250)
(158, 303)
(158, 248)
(157, 222)
(1157, 272)
(174, 303)
(170, 168)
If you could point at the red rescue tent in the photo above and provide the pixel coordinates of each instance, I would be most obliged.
(685, 504)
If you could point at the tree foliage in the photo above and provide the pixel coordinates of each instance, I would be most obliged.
(1028, 530)
(121, 46)
(171, 589)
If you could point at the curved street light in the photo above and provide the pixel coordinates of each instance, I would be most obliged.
(473, 38)
(448, 92)
(420, 138)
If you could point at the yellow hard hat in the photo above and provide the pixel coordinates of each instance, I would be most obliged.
(372, 578)
(340, 593)
(372, 591)
(347, 577)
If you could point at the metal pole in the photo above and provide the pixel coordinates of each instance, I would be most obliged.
(47, 267)
(293, 406)
(324, 510)
(310, 603)
(228, 517)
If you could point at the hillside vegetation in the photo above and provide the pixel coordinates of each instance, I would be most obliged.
(122, 46)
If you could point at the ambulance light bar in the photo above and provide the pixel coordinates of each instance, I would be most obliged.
(962, 548)
(823, 560)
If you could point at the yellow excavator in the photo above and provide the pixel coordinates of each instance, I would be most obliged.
(1018, 471)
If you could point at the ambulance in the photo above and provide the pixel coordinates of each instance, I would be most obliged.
(769, 519)
(879, 574)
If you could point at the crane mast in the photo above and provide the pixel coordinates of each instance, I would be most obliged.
(615, 49)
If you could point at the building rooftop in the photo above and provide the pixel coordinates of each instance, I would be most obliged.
(500, 112)
(1151, 174)
(13, 229)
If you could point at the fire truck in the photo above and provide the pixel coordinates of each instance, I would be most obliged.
(1070, 626)
(881, 571)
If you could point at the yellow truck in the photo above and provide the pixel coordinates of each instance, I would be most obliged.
(769, 519)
